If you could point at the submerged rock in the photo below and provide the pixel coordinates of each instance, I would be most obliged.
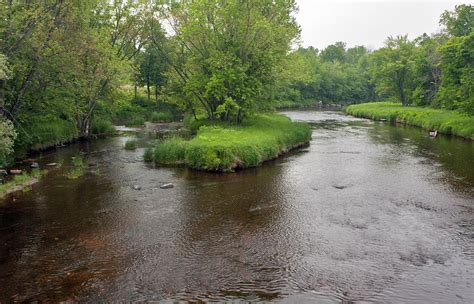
(137, 187)
(167, 186)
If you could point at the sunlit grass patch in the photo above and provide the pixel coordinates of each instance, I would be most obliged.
(446, 122)
(223, 147)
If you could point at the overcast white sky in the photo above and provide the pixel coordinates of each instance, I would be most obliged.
(369, 23)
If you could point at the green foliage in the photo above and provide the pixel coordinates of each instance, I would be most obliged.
(148, 155)
(225, 51)
(102, 126)
(161, 117)
(335, 75)
(7, 139)
(227, 147)
(171, 151)
(78, 170)
(22, 181)
(446, 122)
(457, 85)
(459, 22)
(392, 68)
(130, 144)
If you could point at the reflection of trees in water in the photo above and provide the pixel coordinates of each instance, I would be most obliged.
(456, 155)
(57, 250)
(235, 236)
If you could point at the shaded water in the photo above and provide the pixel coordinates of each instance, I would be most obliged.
(369, 212)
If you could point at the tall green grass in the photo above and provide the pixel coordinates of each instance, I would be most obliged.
(446, 122)
(225, 147)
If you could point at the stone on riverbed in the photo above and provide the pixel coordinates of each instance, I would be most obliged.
(167, 186)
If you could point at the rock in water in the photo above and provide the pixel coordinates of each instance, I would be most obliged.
(3, 172)
(167, 186)
(51, 164)
(137, 187)
(15, 171)
(34, 165)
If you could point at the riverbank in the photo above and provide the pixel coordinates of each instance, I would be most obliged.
(446, 122)
(225, 148)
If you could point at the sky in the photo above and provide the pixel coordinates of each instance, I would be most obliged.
(369, 23)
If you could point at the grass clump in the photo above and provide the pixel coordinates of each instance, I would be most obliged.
(130, 144)
(224, 147)
(445, 121)
(171, 151)
(79, 166)
(22, 182)
(148, 155)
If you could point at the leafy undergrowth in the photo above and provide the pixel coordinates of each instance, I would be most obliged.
(225, 148)
(445, 121)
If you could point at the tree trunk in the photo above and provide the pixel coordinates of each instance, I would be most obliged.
(156, 94)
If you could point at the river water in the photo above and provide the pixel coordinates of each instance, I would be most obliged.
(369, 212)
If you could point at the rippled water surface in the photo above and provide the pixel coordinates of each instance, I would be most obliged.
(368, 212)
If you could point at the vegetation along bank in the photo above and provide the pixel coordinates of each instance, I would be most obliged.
(445, 121)
(224, 147)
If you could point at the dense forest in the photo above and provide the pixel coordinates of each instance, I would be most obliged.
(71, 69)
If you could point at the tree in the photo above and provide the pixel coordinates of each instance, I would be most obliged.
(459, 22)
(226, 50)
(392, 69)
(457, 85)
(334, 52)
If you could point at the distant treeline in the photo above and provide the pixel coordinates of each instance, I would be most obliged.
(431, 70)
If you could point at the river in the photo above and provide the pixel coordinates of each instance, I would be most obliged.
(369, 212)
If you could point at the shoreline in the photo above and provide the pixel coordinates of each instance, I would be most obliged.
(445, 122)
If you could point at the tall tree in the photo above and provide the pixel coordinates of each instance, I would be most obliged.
(392, 69)
(226, 50)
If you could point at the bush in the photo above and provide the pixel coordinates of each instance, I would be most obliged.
(130, 144)
(445, 121)
(225, 147)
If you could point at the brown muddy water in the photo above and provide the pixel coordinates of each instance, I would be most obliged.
(368, 213)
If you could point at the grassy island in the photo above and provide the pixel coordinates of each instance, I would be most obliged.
(446, 122)
(225, 147)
